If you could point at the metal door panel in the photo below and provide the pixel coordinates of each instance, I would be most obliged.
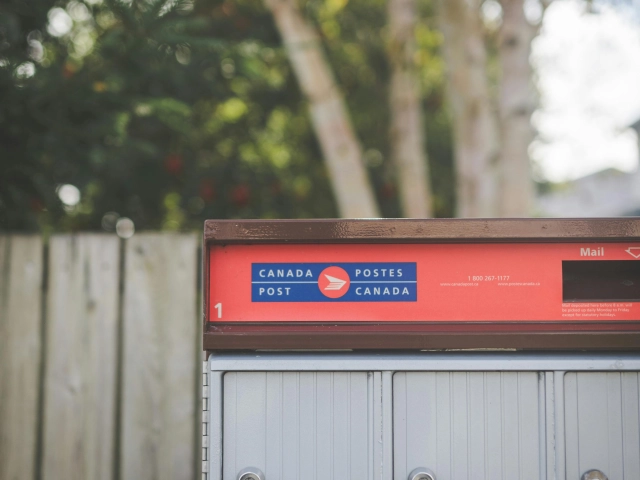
(294, 425)
(602, 427)
(467, 425)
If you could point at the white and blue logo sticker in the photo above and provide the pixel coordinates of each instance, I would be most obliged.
(334, 282)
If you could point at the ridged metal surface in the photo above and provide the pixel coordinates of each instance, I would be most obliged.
(602, 424)
(467, 425)
(298, 426)
(464, 416)
(205, 422)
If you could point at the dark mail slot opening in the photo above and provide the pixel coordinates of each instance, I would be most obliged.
(600, 280)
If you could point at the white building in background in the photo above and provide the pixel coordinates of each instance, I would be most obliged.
(608, 193)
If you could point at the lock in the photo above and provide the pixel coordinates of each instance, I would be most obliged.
(251, 473)
(422, 473)
(594, 475)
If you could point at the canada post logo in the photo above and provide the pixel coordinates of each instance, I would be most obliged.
(334, 282)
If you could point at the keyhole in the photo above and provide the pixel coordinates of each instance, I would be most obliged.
(422, 473)
(594, 475)
(251, 473)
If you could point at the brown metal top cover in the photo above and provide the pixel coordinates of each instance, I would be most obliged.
(427, 230)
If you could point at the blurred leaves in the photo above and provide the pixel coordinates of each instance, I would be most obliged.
(170, 112)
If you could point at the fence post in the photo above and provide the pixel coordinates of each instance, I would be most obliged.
(81, 357)
(160, 368)
(20, 344)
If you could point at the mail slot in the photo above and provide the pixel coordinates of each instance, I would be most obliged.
(422, 349)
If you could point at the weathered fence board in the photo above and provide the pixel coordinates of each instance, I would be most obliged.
(160, 329)
(81, 357)
(115, 396)
(20, 339)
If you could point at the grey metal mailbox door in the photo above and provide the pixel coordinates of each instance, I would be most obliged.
(602, 424)
(478, 416)
(296, 425)
(467, 425)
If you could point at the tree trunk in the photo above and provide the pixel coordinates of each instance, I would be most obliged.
(407, 128)
(474, 119)
(516, 103)
(340, 147)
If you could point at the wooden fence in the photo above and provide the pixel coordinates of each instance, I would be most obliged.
(100, 357)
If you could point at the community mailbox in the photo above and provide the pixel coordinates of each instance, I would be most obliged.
(422, 349)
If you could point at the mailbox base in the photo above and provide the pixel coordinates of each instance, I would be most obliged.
(481, 415)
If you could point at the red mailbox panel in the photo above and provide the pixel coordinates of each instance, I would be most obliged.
(424, 283)
(554, 284)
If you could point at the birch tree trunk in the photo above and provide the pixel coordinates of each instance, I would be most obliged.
(474, 118)
(331, 122)
(516, 103)
(407, 128)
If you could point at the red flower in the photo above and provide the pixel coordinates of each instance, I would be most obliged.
(240, 195)
(173, 164)
(68, 70)
(207, 190)
(36, 205)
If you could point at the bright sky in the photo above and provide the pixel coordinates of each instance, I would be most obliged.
(588, 68)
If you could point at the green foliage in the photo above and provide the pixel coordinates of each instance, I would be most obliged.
(172, 112)
(355, 35)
